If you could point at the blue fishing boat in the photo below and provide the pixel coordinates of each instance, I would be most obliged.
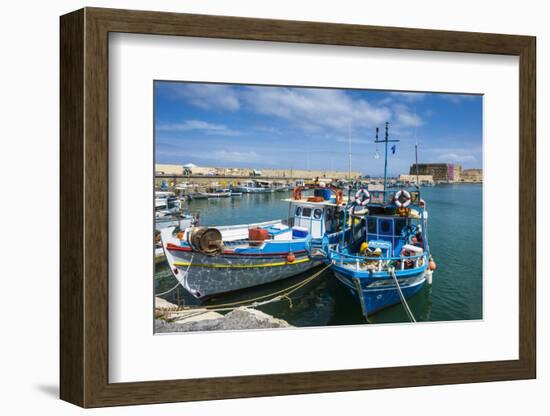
(391, 261)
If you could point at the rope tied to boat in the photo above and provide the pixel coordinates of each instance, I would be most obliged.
(277, 295)
(391, 271)
(184, 275)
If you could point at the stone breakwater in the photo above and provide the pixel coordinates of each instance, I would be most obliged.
(169, 319)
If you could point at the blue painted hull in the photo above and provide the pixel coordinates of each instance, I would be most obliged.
(376, 294)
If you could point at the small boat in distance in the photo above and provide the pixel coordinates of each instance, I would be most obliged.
(167, 201)
(219, 193)
(279, 186)
(166, 219)
(251, 187)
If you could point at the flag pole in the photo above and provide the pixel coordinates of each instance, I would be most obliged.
(385, 141)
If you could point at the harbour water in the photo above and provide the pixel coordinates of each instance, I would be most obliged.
(455, 235)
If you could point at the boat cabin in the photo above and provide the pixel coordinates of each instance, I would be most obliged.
(319, 213)
(318, 219)
(389, 233)
(386, 229)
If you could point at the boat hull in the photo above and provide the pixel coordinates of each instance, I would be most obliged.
(377, 294)
(204, 275)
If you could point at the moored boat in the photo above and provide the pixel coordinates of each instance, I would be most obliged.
(391, 261)
(220, 193)
(252, 187)
(166, 219)
(213, 260)
(167, 201)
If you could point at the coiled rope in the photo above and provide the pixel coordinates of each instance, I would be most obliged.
(391, 270)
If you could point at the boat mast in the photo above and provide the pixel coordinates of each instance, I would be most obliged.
(416, 164)
(349, 150)
(385, 141)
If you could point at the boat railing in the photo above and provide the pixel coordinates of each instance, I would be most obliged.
(380, 263)
(386, 197)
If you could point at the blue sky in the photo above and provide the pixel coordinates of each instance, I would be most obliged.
(292, 127)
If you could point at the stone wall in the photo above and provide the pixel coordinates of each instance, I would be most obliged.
(281, 173)
(472, 175)
(412, 178)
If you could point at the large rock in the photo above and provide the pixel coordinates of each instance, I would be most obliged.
(163, 304)
(207, 322)
(244, 318)
(241, 318)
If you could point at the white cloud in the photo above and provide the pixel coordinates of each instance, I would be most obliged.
(188, 125)
(410, 96)
(405, 117)
(457, 98)
(235, 156)
(209, 96)
(457, 158)
(315, 109)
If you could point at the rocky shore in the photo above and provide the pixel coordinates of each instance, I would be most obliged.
(170, 319)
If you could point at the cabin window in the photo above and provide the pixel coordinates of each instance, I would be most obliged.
(317, 213)
(384, 227)
(298, 211)
(306, 212)
(371, 225)
(399, 225)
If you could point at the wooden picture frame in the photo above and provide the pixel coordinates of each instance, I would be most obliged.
(84, 207)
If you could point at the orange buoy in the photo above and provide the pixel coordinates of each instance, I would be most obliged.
(432, 266)
(180, 235)
(297, 193)
(290, 257)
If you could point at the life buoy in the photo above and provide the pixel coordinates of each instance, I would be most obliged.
(402, 198)
(339, 197)
(362, 197)
(297, 193)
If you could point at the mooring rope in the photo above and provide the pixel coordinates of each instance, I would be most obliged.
(184, 275)
(254, 302)
(391, 270)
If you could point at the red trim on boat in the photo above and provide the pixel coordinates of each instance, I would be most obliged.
(281, 254)
(173, 247)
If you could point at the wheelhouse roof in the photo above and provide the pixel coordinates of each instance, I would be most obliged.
(304, 201)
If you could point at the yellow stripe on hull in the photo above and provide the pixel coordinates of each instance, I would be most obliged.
(239, 266)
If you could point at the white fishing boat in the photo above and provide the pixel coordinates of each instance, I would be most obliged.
(267, 186)
(220, 259)
(166, 219)
(279, 186)
(221, 193)
(251, 187)
(167, 201)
